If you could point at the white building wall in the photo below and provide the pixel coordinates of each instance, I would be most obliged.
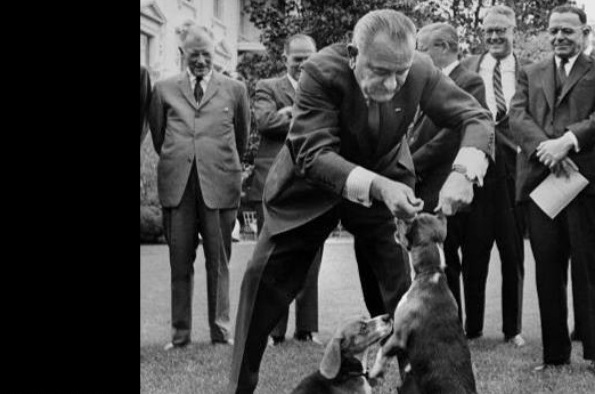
(159, 41)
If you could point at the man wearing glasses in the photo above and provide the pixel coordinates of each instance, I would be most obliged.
(498, 219)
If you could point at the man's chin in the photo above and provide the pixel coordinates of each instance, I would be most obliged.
(382, 98)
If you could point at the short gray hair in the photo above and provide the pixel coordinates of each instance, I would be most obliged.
(440, 32)
(503, 10)
(191, 28)
(394, 23)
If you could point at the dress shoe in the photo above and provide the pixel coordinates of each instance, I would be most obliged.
(171, 346)
(474, 335)
(517, 340)
(306, 336)
(222, 342)
(546, 366)
(575, 336)
(277, 339)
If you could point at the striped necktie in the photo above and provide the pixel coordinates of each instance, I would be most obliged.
(500, 102)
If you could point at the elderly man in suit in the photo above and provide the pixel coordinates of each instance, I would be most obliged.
(553, 116)
(145, 99)
(346, 158)
(199, 121)
(433, 149)
(496, 217)
(273, 113)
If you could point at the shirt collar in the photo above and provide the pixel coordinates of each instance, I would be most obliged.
(292, 81)
(570, 63)
(205, 79)
(505, 64)
(448, 69)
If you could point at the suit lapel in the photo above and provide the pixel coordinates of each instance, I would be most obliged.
(184, 84)
(549, 82)
(211, 88)
(578, 70)
(287, 90)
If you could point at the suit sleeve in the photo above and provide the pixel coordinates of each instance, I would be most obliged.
(584, 132)
(145, 100)
(528, 134)
(268, 121)
(157, 118)
(242, 120)
(452, 108)
(439, 148)
(314, 137)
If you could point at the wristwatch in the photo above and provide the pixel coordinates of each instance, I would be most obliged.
(461, 169)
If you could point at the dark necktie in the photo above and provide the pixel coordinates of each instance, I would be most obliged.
(198, 93)
(562, 71)
(374, 120)
(500, 102)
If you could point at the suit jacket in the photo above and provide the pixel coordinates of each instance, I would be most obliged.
(329, 135)
(506, 145)
(213, 135)
(537, 115)
(145, 99)
(434, 149)
(271, 95)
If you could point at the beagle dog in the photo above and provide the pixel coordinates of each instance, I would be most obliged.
(343, 366)
(427, 336)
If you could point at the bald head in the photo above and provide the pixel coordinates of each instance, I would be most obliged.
(440, 41)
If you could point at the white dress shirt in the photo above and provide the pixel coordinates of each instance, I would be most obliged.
(292, 81)
(203, 83)
(507, 71)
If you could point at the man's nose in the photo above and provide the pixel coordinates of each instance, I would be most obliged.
(493, 36)
(390, 83)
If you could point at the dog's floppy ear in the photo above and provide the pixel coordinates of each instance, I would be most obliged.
(442, 229)
(331, 361)
(401, 233)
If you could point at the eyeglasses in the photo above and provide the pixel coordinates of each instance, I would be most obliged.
(498, 30)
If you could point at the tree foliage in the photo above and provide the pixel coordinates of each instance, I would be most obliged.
(330, 21)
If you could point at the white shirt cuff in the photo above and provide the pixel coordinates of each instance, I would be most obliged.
(357, 186)
(570, 135)
(475, 161)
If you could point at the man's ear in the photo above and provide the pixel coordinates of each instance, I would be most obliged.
(352, 52)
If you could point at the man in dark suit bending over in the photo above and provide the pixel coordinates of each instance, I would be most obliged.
(346, 157)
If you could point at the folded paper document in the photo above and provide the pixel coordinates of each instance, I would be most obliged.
(556, 192)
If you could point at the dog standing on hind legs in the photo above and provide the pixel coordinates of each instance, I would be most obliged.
(343, 366)
(427, 332)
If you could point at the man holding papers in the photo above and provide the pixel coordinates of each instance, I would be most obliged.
(553, 116)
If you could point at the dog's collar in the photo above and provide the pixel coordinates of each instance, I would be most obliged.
(429, 272)
(351, 368)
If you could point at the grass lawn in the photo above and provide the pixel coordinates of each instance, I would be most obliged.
(202, 368)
